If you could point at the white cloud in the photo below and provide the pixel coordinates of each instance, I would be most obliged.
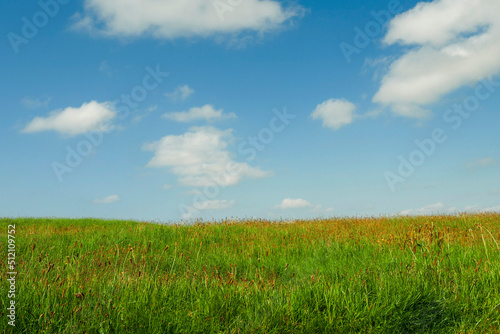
(290, 203)
(208, 205)
(493, 209)
(335, 113)
(213, 205)
(319, 209)
(207, 113)
(453, 43)
(200, 158)
(427, 210)
(74, 121)
(477, 208)
(182, 18)
(181, 93)
(34, 103)
(107, 200)
(298, 203)
(471, 208)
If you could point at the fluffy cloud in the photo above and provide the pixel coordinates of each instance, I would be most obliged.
(452, 43)
(181, 93)
(74, 121)
(200, 158)
(107, 200)
(298, 203)
(289, 203)
(335, 113)
(207, 113)
(182, 18)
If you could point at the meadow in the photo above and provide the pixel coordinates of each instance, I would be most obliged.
(430, 274)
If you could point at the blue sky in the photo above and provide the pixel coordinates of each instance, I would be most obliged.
(164, 110)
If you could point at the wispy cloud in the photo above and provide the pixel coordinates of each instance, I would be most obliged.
(107, 200)
(35, 103)
(143, 114)
(436, 208)
(206, 113)
(213, 205)
(493, 209)
(181, 93)
(105, 68)
(477, 208)
(483, 162)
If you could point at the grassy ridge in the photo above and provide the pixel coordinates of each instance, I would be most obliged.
(376, 275)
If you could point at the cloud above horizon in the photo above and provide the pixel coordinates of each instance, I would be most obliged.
(426, 210)
(200, 158)
(492, 209)
(107, 200)
(213, 205)
(290, 203)
(449, 44)
(478, 209)
(299, 203)
(74, 121)
(182, 18)
(431, 209)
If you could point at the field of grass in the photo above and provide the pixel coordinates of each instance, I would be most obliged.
(373, 275)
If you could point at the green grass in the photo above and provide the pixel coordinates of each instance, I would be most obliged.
(375, 275)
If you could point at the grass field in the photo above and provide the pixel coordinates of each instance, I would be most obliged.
(373, 275)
